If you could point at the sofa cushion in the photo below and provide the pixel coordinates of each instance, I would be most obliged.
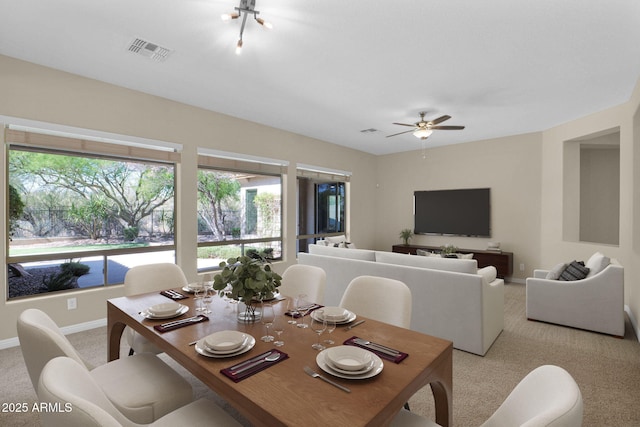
(469, 266)
(576, 270)
(555, 272)
(361, 254)
(597, 263)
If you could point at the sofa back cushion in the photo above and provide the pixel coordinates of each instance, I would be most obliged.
(469, 266)
(361, 254)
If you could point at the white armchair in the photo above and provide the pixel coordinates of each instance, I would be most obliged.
(595, 303)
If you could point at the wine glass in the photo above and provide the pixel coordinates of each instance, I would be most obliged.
(278, 328)
(302, 308)
(207, 298)
(198, 296)
(331, 326)
(268, 317)
(318, 325)
(292, 309)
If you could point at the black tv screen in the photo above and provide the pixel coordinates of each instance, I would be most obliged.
(464, 212)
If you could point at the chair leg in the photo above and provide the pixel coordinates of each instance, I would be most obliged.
(131, 351)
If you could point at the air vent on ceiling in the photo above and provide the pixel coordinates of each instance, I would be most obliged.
(370, 130)
(150, 50)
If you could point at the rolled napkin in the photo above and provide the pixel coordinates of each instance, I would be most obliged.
(253, 365)
(170, 326)
(383, 351)
(174, 295)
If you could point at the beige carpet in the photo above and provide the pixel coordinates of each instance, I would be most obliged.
(607, 370)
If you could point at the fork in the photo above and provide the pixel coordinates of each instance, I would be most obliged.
(181, 321)
(314, 374)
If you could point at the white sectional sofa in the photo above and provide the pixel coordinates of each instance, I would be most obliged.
(452, 299)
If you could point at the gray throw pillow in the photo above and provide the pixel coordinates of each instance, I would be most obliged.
(575, 271)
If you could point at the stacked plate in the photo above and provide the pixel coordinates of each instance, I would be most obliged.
(225, 344)
(337, 314)
(350, 362)
(165, 310)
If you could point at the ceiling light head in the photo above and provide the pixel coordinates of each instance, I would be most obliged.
(230, 16)
(264, 23)
(422, 133)
(239, 47)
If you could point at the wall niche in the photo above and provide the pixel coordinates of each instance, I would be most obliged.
(591, 188)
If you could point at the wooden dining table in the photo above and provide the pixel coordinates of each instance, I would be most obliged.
(283, 395)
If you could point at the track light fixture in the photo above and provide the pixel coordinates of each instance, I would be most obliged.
(245, 8)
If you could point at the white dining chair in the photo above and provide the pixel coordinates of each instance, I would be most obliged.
(304, 279)
(142, 387)
(547, 396)
(65, 384)
(147, 278)
(380, 298)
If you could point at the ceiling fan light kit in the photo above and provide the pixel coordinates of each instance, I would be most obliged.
(423, 129)
(245, 8)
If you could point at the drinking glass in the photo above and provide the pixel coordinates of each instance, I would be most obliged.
(318, 325)
(302, 308)
(268, 317)
(331, 326)
(278, 328)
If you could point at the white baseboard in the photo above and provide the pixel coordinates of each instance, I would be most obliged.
(71, 329)
(515, 280)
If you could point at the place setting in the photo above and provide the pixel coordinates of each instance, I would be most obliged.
(165, 310)
(380, 350)
(339, 315)
(349, 362)
(224, 344)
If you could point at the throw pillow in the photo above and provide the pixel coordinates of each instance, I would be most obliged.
(597, 263)
(574, 271)
(555, 272)
(465, 256)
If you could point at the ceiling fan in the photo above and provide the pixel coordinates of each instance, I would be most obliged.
(423, 129)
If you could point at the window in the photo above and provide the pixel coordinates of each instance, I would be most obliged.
(81, 218)
(322, 204)
(239, 209)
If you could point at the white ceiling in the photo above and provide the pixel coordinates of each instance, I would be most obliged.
(331, 68)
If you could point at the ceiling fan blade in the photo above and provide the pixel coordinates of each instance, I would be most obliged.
(407, 131)
(440, 119)
(447, 127)
(404, 124)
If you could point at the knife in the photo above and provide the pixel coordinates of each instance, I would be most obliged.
(179, 322)
(353, 325)
(377, 347)
(253, 359)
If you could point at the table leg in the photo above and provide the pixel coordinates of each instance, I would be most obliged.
(114, 334)
(442, 388)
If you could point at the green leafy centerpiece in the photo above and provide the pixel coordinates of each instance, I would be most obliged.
(248, 279)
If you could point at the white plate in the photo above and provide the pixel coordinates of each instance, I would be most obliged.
(378, 364)
(182, 310)
(350, 318)
(202, 349)
(224, 341)
(350, 374)
(164, 309)
(349, 358)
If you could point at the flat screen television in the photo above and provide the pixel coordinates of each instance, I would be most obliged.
(465, 212)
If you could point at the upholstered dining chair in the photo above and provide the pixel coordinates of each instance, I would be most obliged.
(380, 298)
(65, 383)
(148, 278)
(304, 279)
(142, 387)
(547, 397)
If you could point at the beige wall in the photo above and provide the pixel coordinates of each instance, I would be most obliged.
(509, 166)
(524, 172)
(40, 94)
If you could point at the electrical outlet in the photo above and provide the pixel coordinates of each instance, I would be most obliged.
(72, 304)
(522, 267)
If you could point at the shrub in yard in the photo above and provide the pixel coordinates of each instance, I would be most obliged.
(76, 269)
(59, 282)
(130, 234)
